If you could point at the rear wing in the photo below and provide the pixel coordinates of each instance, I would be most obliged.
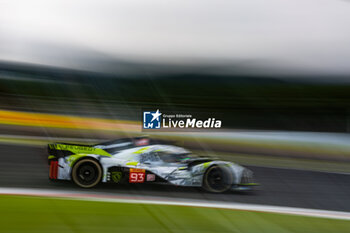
(59, 150)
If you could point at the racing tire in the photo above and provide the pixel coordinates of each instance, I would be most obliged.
(217, 179)
(87, 173)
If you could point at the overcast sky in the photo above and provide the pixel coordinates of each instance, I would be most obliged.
(311, 36)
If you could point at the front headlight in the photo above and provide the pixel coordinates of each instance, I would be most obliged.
(247, 177)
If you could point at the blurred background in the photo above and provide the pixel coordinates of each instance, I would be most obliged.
(258, 67)
(276, 72)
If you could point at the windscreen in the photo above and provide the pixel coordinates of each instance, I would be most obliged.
(172, 157)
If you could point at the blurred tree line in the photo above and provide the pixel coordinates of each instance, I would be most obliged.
(241, 102)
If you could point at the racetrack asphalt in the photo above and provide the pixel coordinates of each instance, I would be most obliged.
(26, 167)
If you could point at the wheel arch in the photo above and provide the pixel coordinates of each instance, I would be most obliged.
(73, 159)
(224, 167)
(90, 159)
(85, 157)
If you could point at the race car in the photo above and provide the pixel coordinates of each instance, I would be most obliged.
(144, 160)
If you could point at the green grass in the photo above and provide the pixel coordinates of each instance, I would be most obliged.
(32, 214)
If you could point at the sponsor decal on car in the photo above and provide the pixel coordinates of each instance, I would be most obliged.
(116, 176)
(137, 175)
(151, 177)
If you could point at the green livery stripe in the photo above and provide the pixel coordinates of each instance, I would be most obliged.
(205, 165)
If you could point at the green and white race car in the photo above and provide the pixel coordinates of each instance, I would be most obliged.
(143, 160)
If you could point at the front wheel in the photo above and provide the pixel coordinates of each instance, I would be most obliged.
(86, 173)
(217, 179)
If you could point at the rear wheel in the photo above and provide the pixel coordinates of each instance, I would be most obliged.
(87, 173)
(217, 179)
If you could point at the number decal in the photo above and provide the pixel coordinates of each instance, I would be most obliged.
(133, 177)
(137, 176)
(141, 177)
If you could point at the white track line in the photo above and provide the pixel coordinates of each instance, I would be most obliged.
(175, 202)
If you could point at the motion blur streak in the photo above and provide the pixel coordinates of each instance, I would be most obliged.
(61, 121)
(275, 72)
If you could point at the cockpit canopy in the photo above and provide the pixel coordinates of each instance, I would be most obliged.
(166, 154)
